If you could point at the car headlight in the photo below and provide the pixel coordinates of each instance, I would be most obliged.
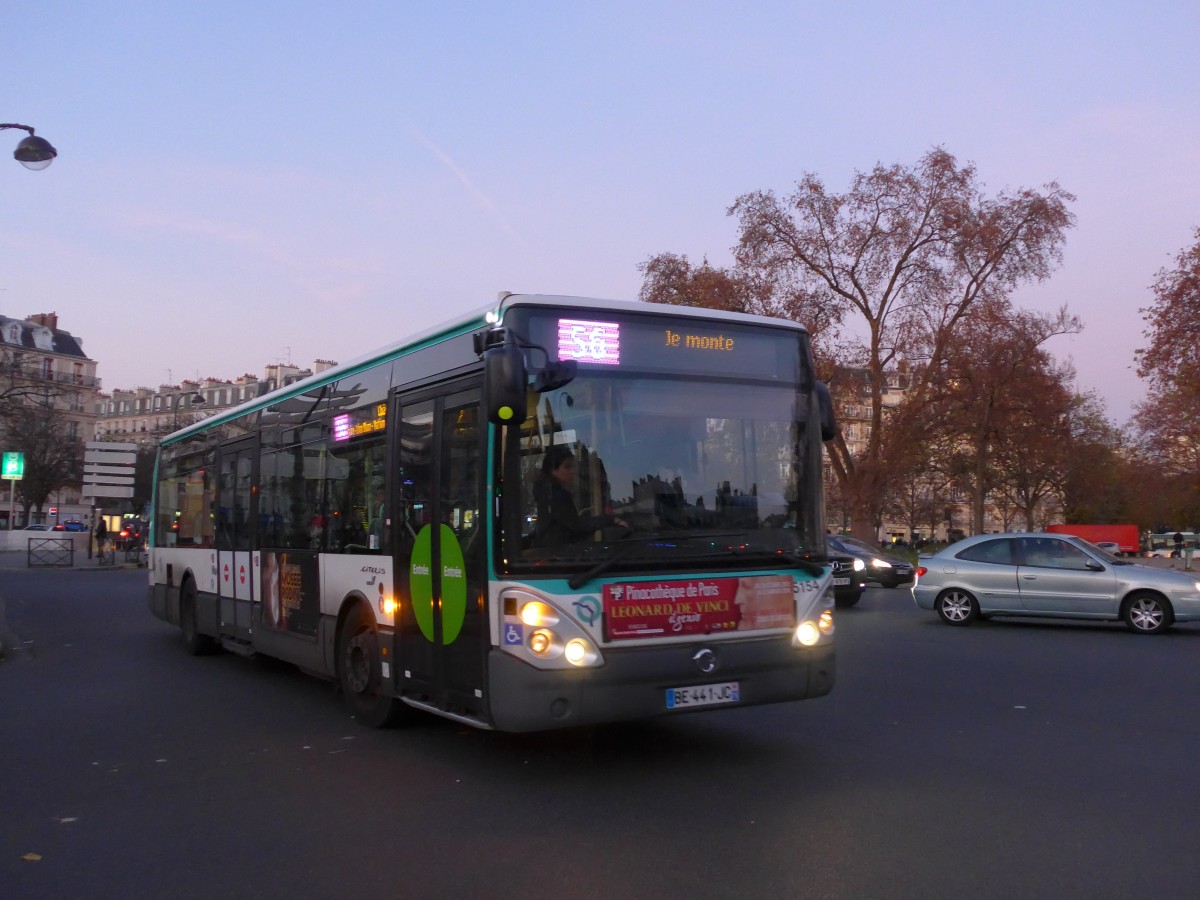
(881, 564)
(859, 565)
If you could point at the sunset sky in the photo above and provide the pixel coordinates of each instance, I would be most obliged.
(241, 184)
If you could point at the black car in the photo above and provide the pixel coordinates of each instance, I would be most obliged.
(878, 567)
(847, 579)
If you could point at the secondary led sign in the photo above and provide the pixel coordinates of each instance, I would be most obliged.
(345, 426)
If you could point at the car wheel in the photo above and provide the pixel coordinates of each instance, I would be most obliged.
(846, 601)
(957, 607)
(1147, 613)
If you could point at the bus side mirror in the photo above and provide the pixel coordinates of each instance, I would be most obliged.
(554, 375)
(504, 384)
(825, 407)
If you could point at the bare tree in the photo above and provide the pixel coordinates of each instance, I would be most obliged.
(909, 251)
(53, 457)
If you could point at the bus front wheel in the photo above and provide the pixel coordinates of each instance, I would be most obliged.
(359, 672)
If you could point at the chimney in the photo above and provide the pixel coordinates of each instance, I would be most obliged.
(50, 319)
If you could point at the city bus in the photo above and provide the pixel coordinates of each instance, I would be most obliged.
(387, 523)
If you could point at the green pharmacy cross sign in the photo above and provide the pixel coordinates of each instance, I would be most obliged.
(13, 466)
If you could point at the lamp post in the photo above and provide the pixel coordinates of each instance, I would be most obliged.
(33, 152)
(193, 399)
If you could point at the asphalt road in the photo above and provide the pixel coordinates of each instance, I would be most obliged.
(1003, 760)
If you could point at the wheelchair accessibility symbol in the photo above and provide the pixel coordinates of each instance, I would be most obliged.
(513, 634)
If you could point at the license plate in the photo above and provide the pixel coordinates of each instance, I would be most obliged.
(839, 582)
(703, 695)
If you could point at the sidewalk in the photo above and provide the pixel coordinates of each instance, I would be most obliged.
(19, 559)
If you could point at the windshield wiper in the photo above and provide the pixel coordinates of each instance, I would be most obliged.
(575, 582)
(812, 568)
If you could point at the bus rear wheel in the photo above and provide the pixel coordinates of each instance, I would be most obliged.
(195, 643)
(360, 672)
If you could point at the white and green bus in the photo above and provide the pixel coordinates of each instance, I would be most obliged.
(552, 512)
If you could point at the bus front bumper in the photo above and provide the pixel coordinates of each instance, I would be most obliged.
(633, 683)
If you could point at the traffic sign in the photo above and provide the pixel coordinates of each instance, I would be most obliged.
(108, 469)
(13, 466)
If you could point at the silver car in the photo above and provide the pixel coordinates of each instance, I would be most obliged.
(1051, 575)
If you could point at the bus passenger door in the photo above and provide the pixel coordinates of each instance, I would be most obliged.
(438, 523)
(234, 538)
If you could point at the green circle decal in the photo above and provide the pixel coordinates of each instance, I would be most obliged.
(454, 583)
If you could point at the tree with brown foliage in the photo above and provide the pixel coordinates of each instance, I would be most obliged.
(1097, 487)
(1004, 403)
(1169, 418)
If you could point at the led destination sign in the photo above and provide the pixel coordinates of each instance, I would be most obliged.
(662, 344)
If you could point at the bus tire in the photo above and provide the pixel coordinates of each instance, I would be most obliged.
(359, 672)
(195, 643)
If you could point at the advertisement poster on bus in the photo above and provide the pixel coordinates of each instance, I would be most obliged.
(291, 590)
(648, 609)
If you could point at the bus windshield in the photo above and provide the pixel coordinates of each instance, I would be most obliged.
(625, 469)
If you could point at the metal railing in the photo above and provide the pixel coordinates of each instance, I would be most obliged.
(50, 553)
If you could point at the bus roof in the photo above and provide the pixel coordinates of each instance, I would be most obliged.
(464, 324)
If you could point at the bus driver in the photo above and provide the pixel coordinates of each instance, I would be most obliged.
(559, 522)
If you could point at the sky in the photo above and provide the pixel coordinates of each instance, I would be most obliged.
(244, 184)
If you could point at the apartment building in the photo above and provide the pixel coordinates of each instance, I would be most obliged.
(41, 363)
(144, 415)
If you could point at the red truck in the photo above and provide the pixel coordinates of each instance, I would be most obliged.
(1127, 537)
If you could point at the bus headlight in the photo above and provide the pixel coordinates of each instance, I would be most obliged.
(542, 643)
(581, 653)
(536, 629)
(807, 633)
(825, 622)
(535, 613)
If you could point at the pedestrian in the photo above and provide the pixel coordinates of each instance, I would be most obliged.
(101, 537)
(1178, 545)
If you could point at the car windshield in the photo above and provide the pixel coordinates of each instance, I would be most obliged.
(1104, 554)
(854, 544)
(622, 469)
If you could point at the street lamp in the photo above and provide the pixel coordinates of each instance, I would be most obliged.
(196, 399)
(33, 152)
